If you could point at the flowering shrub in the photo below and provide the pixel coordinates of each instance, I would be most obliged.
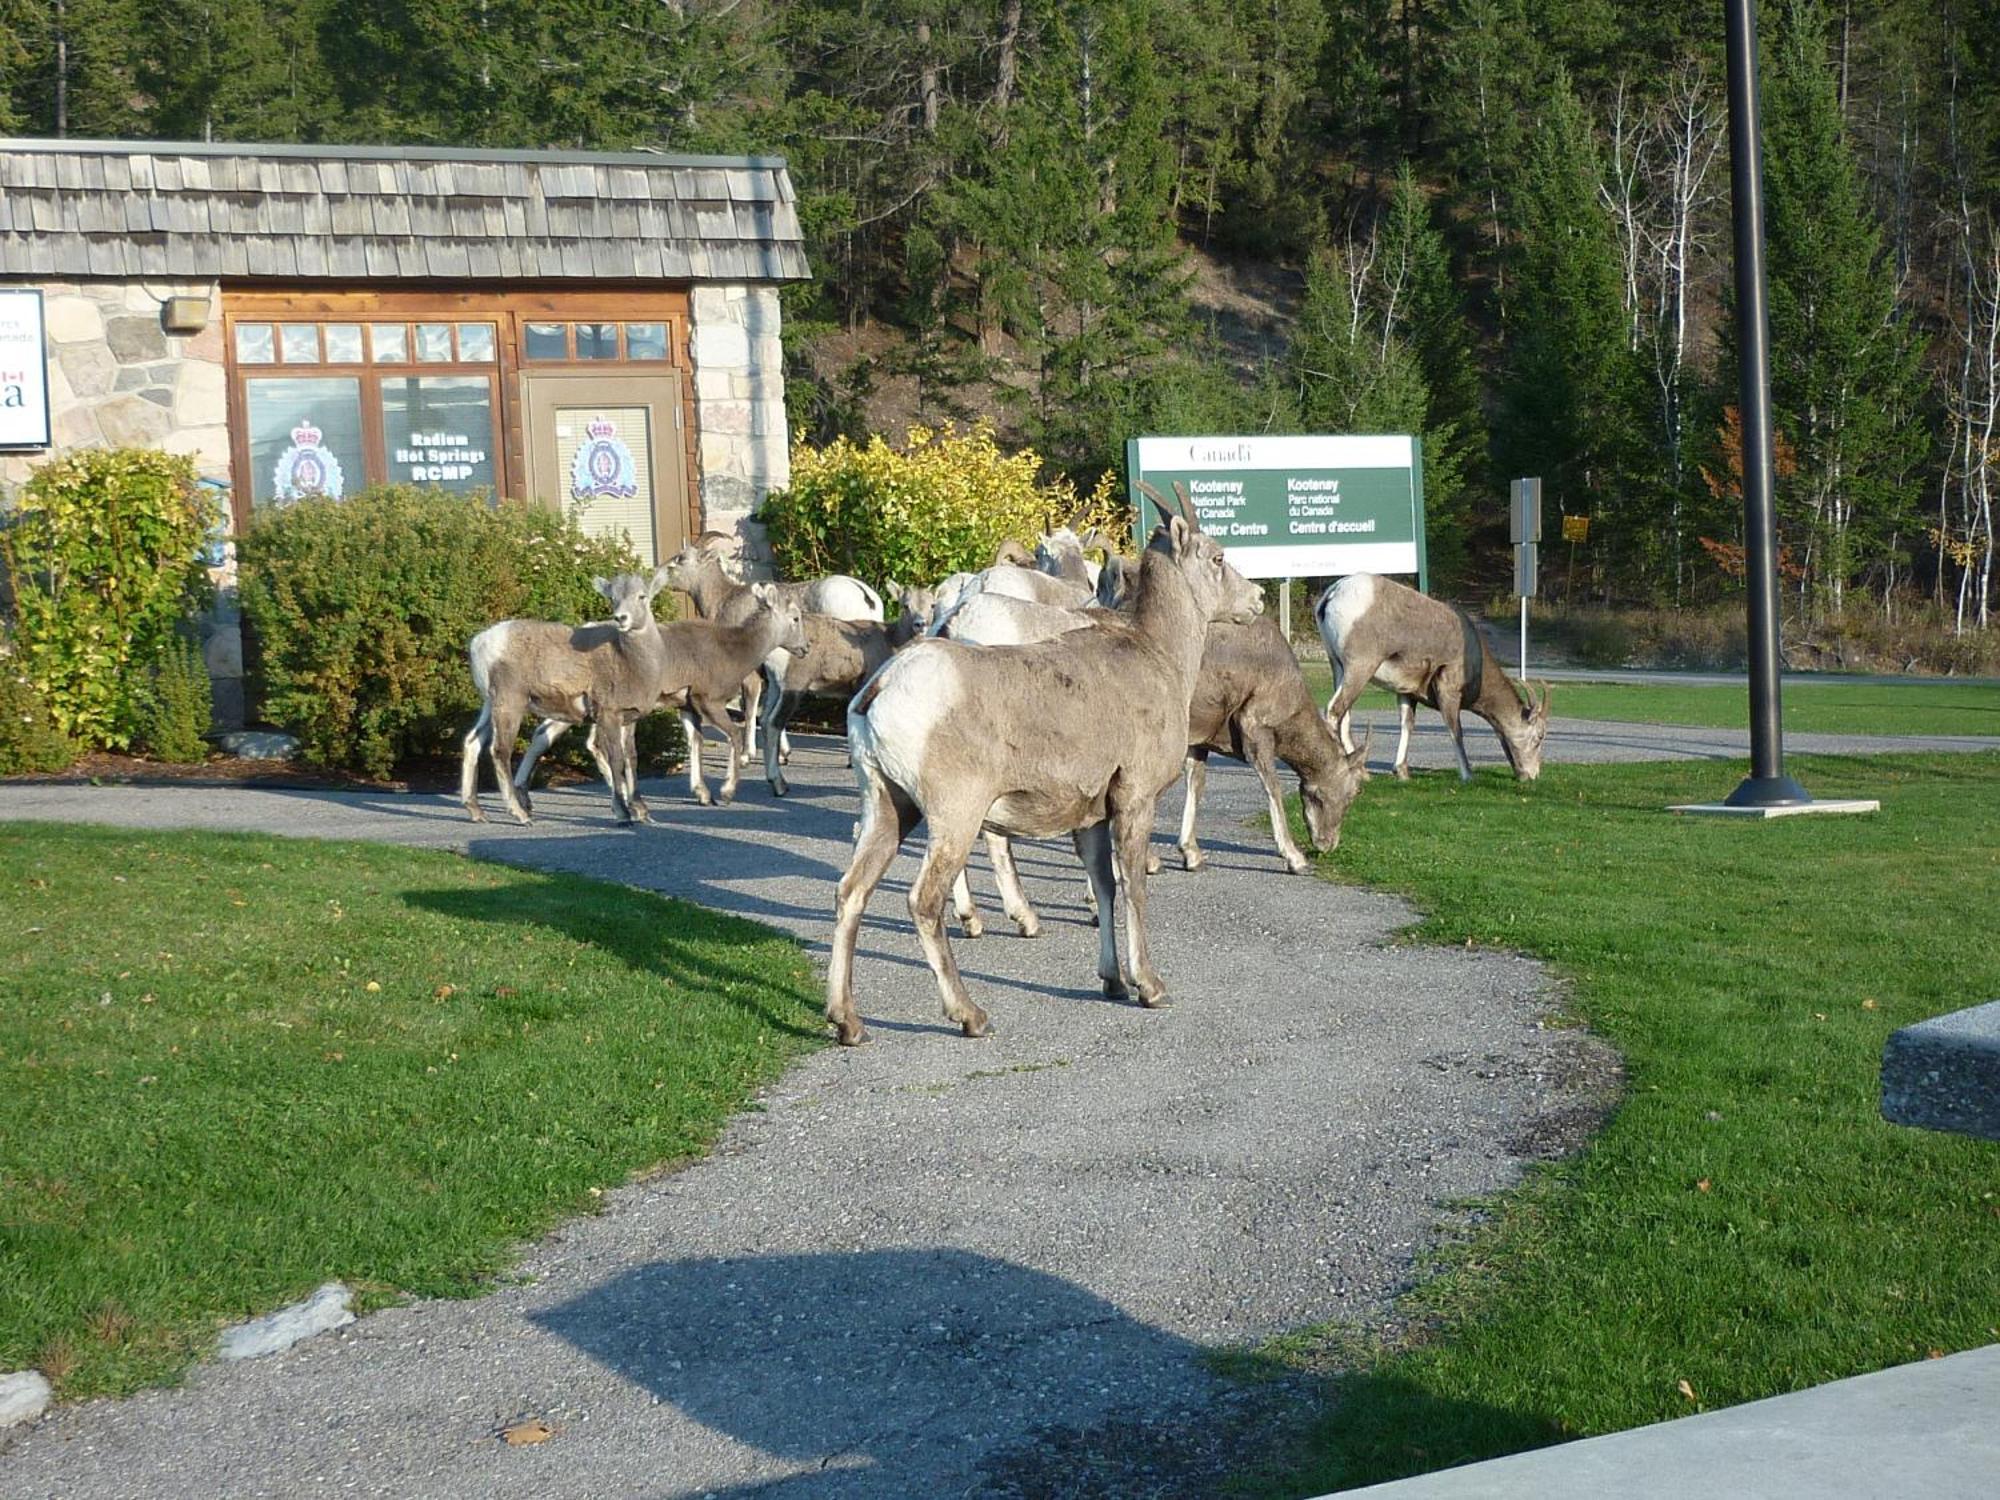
(360, 610)
(104, 562)
(938, 505)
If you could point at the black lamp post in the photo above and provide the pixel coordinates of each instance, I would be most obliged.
(1767, 784)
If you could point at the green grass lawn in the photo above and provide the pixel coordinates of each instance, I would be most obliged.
(1915, 708)
(232, 1068)
(1746, 1223)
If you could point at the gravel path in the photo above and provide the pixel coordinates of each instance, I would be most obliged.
(927, 1266)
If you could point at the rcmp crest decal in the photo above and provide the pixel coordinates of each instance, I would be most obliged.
(603, 466)
(307, 469)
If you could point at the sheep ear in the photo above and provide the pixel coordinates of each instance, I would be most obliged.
(602, 585)
(1180, 534)
(761, 592)
(660, 577)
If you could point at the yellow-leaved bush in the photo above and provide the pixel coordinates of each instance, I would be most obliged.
(939, 504)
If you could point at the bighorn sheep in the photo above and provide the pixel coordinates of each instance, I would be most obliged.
(607, 673)
(839, 656)
(1250, 701)
(1423, 651)
(697, 571)
(697, 658)
(1077, 735)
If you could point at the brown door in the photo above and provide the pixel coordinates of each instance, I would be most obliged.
(610, 446)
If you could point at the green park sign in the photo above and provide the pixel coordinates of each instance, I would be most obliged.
(1295, 506)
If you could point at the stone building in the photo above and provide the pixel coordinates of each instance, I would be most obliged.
(571, 328)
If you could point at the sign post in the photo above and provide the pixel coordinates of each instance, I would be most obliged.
(24, 370)
(1525, 531)
(1289, 507)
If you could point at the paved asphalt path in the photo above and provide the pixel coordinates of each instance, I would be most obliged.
(928, 1266)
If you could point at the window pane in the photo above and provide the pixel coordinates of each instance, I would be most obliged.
(645, 341)
(597, 341)
(438, 429)
(434, 343)
(390, 341)
(547, 341)
(475, 343)
(299, 342)
(254, 344)
(343, 343)
(305, 438)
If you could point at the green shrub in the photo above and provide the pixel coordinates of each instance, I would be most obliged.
(175, 710)
(104, 563)
(939, 505)
(360, 611)
(29, 739)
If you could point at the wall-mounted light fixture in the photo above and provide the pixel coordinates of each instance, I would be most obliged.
(184, 314)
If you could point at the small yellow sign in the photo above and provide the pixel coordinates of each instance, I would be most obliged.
(1576, 528)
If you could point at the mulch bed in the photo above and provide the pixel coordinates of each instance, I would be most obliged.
(106, 768)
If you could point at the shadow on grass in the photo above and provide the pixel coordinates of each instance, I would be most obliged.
(669, 950)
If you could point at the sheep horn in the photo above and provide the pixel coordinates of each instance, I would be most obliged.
(1187, 505)
(1167, 512)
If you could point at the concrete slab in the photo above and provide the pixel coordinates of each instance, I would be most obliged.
(1830, 805)
(1930, 1429)
(1944, 1073)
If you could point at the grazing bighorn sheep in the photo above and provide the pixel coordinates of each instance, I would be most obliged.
(1423, 651)
(839, 656)
(607, 673)
(697, 571)
(1077, 735)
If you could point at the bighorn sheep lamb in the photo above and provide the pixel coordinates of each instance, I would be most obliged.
(1077, 735)
(1423, 651)
(697, 571)
(607, 673)
(839, 656)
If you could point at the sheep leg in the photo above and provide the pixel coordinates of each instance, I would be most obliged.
(944, 859)
(1195, 772)
(966, 908)
(1448, 694)
(1406, 718)
(777, 712)
(1347, 690)
(1012, 897)
(546, 734)
(691, 731)
(886, 821)
(753, 701)
(628, 736)
(732, 733)
(468, 772)
(611, 746)
(1260, 748)
(1093, 847)
(1131, 832)
(500, 747)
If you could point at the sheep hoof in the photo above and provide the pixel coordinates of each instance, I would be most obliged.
(1115, 989)
(527, 802)
(474, 813)
(972, 927)
(780, 788)
(1402, 773)
(703, 798)
(1030, 928)
(726, 796)
(1302, 867)
(976, 1025)
(848, 1036)
(1192, 861)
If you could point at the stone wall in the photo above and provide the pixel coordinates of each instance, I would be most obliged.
(117, 379)
(740, 409)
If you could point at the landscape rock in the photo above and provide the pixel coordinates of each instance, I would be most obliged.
(259, 744)
(325, 1309)
(24, 1396)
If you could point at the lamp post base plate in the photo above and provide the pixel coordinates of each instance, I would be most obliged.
(1779, 810)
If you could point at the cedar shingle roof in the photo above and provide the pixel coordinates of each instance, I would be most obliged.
(166, 209)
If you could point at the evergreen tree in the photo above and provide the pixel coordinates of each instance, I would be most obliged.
(1843, 363)
(233, 69)
(71, 73)
(1570, 403)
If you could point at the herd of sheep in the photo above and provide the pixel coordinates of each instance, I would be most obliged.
(1043, 696)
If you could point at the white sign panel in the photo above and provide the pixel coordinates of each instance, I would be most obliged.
(1296, 506)
(24, 370)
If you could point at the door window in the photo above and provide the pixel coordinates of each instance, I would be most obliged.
(304, 438)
